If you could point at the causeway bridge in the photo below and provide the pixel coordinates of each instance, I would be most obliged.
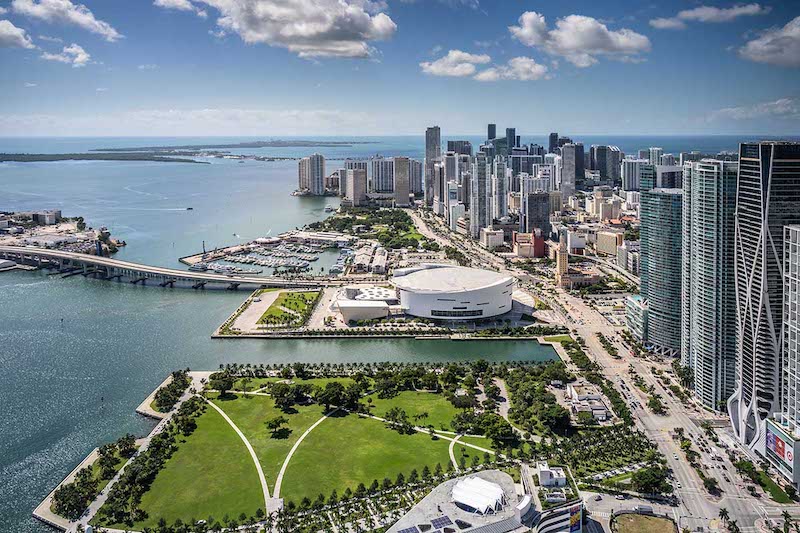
(106, 268)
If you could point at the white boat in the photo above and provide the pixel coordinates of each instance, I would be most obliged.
(198, 267)
(329, 209)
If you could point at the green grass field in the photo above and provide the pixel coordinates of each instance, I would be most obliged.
(634, 523)
(775, 492)
(440, 411)
(211, 473)
(257, 383)
(558, 338)
(250, 413)
(344, 451)
(297, 301)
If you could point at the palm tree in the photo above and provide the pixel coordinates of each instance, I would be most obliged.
(723, 514)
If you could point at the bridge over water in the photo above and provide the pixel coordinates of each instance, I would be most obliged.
(107, 268)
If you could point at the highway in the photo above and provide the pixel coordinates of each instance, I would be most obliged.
(117, 269)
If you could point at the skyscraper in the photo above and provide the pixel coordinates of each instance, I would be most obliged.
(535, 212)
(572, 171)
(357, 186)
(311, 174)
(433, 154)
(768, 198)
(632, 173)
(661, 259)
(415, 176)
(460, 147)
(708, 321)
(499, 188)
(491, 132)
(511, 139)
(553, 143)
(655, 155)
(402, 188)
(382, 174)
(480, 209)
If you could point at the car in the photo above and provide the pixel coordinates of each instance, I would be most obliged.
(678, 484)
(675, 456)
(620, 497)
(597, 498)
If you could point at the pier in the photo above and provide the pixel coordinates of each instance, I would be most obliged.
(106, 268)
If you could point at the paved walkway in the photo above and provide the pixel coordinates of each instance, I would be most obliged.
(279, 480)
(250, 449)
(452, 453)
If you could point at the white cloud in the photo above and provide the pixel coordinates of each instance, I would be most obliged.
(13, 37)
(517, 68)
(51, 39)
(776, 46)
(29, 85)
(72, 54)
(148, 66)
(3, 10)
(101, 89)
(455, 63)
(788, 108)
(181, 5)
(709, 14)
(65, 12)
(309, 28)
(579, 39)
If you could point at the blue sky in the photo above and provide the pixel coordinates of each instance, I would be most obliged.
(306, 67)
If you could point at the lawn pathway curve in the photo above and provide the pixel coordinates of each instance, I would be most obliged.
(261, 478)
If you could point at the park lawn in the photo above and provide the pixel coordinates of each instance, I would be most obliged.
(483, 442)
(774, 491)
(210, 474)
(558, 338)
(297, 301)
(346, 450)
(250, 413)
(636, 523)
(257, 383)
(440, 411)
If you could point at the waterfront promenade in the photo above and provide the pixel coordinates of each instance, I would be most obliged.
(71, 263)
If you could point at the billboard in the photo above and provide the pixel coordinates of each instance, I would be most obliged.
(575, 516)
(779, 445)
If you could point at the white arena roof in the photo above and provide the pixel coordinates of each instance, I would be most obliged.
(446, 278)
(479, 494)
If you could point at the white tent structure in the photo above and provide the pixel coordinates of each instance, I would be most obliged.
(478, 494)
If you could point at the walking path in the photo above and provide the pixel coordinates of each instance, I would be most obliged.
(279, 480)
(250, 449)
(452, 454)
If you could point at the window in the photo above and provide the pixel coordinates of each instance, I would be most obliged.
(475, 312)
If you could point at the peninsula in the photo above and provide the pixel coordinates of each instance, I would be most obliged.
(118, 156)
(278, 143)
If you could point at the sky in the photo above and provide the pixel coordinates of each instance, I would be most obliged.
(394, 67)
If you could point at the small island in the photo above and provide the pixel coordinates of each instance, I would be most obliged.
(118, 156)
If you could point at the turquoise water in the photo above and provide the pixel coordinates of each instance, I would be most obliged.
(66, 387)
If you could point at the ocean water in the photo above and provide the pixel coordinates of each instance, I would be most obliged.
(78, 355)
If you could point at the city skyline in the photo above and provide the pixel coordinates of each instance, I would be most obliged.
(186, 67)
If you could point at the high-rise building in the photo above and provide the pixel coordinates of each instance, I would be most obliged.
(382, 174)
(480, 209)
(350, 164)
(402, 186)
(647, 176)
(552, 143)
(668, 159)
(708, 319)
(311, 174)
(655, 155)
(606, 160)
(768, 198)
(415, 176)
(632, 173)
(357, 186)
(433, 154)
(439, 189)
(661, 235)
(491, 132)
(511, 139)
(644, 154)
(783, 430)
(499, 188)
(572, 171)
(535, 212)
(460, 147)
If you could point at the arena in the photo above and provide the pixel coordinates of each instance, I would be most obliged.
(448, 292)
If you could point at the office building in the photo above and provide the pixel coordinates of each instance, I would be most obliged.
(572, 169)
(783, 430)
(661, 235)
(415, 176)
(480, 209)
(491, 132)
(382, 174)
(357, 187)
(654, 155)
(433, 154)
(632, 173)
(668, 159)
(608, 242)
(552, 144)
(402, 184)
(439, 189)
(768, 198)
(499, 189)
(460, 147)
(311, 174)
(535, 213)
(511, 139)
(708, 321)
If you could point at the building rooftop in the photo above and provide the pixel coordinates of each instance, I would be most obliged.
(446, 278)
